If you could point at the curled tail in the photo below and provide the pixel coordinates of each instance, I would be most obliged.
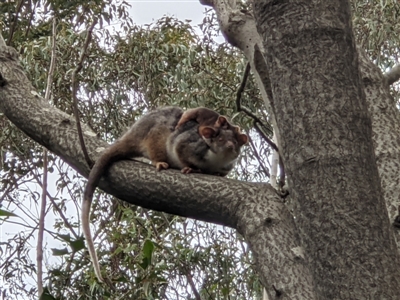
(110, 155)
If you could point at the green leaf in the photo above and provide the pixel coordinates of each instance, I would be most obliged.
(46, 295)
(77, 245)
(5, 213)
(148, 249)
(59, 252)
(147, 253)
(65, 237)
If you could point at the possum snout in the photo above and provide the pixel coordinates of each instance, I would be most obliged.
(230, 145)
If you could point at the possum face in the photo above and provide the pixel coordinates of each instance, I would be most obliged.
(225, 143)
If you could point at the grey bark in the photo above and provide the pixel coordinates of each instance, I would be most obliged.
(255, 210)
(385, 135)
(326, 144)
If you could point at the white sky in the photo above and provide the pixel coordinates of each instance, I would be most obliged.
(146, 11)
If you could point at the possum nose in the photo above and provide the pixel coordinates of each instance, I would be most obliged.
(230, 145)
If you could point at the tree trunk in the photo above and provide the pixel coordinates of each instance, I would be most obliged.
(326, 145)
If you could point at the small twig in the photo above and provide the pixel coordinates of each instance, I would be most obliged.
(282, 173)
(75, 89)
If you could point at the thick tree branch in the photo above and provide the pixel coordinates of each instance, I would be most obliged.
(393, 75)
(255, 210)
(385, 119)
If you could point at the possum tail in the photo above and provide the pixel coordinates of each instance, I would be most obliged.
(115, 152)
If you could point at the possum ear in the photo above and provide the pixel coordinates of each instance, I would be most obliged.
(221, 121)
(242, 139)
(207, 132)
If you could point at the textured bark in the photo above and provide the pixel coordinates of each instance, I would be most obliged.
(255, 210)
(327, 148)
(385, 134)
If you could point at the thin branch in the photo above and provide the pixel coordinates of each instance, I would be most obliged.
(393, 75)
(52, 62)
(282, 173)
(242, 87)
(28, 28)
(75, 90)
(257, 123)
(263, 135)
(56, 207)
(14, 24)
(192, 284)
(39, 247)
(242, 108)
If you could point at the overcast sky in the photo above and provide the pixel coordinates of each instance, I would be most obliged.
(146, 11)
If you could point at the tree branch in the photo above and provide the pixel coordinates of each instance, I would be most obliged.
(14, 24)
(39, 247)
(384, 115)
(393, 75)
(254, 209)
